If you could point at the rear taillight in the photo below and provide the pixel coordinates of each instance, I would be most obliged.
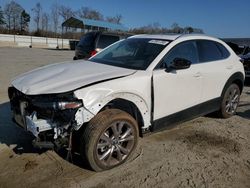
(93, 53)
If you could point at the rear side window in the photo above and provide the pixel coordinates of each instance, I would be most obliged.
(106, 40)
(87, 40)
(211, 51)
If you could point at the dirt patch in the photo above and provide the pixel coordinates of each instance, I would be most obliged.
(201, 141)
(30, 165)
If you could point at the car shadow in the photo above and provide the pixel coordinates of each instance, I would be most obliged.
(247, 82)
(11, 134)
(58, 49)
(246, 112)
(21, 141)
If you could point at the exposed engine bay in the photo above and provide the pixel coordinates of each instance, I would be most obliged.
(50, 118)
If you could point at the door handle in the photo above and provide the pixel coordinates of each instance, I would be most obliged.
(198, 74)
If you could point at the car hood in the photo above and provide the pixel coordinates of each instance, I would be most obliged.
(68, 76)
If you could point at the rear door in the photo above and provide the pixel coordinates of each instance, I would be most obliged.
(217, 68)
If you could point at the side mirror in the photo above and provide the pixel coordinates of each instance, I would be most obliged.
(180, 63)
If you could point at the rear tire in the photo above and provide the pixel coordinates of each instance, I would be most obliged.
(230, 101)
(109, 139)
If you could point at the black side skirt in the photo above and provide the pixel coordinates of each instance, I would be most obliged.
(187, 114)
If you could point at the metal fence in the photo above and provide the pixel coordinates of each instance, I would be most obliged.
(31, 41)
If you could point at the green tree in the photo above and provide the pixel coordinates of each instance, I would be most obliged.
(25, 19)
(2, 20)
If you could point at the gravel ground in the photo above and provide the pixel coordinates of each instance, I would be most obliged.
(205, 152)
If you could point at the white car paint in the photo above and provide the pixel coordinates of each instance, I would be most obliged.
(135, 88)
(173, 92)
(63, 77)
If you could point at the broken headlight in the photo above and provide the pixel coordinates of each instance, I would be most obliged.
(59, 105)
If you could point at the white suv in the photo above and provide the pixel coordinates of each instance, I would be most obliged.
(142, 84)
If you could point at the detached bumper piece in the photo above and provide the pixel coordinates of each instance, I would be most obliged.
(35, 126)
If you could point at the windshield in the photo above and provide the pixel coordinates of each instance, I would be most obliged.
(132, 53)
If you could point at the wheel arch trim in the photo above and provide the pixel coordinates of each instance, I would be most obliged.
(237, 78)
(98, 106)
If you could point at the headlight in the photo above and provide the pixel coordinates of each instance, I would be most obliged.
(69, 105)
(61, 105)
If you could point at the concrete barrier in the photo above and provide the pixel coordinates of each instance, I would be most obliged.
(31, 41)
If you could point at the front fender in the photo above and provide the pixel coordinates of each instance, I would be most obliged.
(95, 100)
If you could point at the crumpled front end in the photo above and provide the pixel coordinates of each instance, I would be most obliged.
(50, 118)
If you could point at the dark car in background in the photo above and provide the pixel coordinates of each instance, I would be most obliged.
(93, 42)
(243, 51)
(246, 62)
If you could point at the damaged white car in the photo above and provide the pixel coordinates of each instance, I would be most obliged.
(139, 85)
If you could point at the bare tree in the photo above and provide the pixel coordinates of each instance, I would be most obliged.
(156, 28)
(176, 28)
(8, 15)
(37, 14)
(188, 29)
(55, 16)
(65, 12)
(116, 19)
(12, 13)
(45, 22)
(86, 12)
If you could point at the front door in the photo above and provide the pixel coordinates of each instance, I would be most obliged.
(177, 90)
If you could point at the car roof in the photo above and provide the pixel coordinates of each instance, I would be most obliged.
(165, 37)
(172, 37)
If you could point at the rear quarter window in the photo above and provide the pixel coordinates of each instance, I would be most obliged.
(224, 51)
(106, 40)
(211, 51)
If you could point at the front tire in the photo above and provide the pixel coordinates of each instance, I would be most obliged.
(230, 101)
(109, 139)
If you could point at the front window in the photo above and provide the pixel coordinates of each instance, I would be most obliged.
(132, 53)
(186, 50)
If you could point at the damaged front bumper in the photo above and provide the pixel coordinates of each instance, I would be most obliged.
(47, 117)
(35, 126)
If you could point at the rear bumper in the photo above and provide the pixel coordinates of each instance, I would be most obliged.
(80, 57)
